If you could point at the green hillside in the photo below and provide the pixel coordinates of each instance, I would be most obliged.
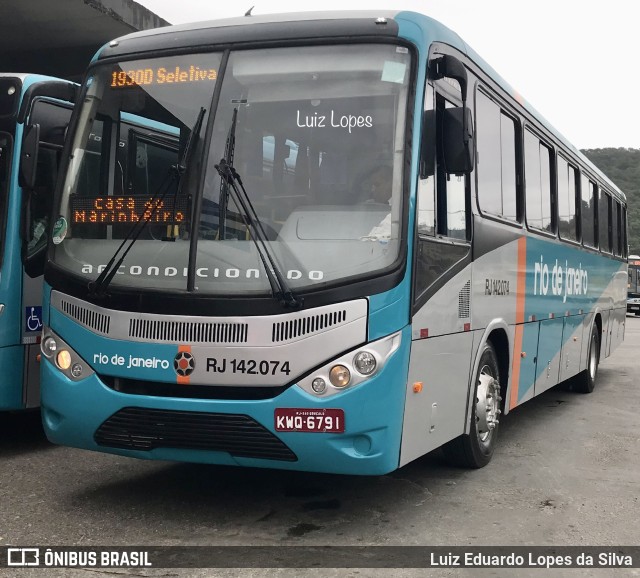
(622, 166)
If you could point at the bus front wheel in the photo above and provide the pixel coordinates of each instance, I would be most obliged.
(475, 449)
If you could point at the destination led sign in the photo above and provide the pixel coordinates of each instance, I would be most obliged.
(161, 76)
(113, 210)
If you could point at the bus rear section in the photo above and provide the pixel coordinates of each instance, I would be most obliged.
(633, 285)
(34, 114)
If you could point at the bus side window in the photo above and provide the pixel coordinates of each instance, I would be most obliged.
(538, 183)
(567, 221)
(604, 221)
(52, 119)
(587, 210)
(617, 229)
(442, 207)
(6, 143)
(452, 189)
(497, 175)
(426, 214)
(442, 198)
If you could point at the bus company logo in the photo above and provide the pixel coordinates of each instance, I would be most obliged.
(184, 364)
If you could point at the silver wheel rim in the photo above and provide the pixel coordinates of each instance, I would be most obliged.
(593, 357)
(487, 406)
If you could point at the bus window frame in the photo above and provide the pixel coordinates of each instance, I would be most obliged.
(606, 195)
(505, 109)
(33, 259)
(577, 195)
(553, 200)
(6, 191)
(592, 183)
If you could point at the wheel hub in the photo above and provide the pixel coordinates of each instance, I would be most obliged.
(487, 404)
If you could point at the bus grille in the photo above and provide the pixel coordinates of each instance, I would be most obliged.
(188, 331)
(137, 428)
(463, 300)
(92, 319)
(286, 330)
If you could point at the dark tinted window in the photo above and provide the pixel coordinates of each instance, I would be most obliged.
(497, 191)
(617, 229)
(567, 222)
(587, 210)
(5, 165)
(625, 243)
(604, 221)
(538, 182)
(446, 216)
(451, 190)
(53, 120)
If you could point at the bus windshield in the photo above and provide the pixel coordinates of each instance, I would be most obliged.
(318, 142)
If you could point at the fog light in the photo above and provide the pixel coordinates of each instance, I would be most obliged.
(63, 359)
(365, 363)
(340, 376)
(49, 346)
(76, 370)
(318, 385)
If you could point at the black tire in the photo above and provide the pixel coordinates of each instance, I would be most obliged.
(585, 381)
(475, 449)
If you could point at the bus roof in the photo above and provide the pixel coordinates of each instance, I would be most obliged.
(304, 25)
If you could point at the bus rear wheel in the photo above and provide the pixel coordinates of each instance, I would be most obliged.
(475, 449)
(585, 381)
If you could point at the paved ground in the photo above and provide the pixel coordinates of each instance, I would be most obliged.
(567, 472)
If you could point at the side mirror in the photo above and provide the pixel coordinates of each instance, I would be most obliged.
(428, 146)
(457, 137)
(29, 156)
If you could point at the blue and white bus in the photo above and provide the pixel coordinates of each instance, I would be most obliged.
(365, 246)
(34, 114)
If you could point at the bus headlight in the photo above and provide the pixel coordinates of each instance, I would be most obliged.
(339, 376)
(365, 362)
(76, 370)
(352, 368)
(63, 359)
(318, 385)
(49, 347)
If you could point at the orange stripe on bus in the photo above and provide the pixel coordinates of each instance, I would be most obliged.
(515, 379)
(521, 285)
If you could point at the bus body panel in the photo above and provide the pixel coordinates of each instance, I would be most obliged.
(552, 337)
(436, 395)
(12, 363)
(21, 295)
(73, 411)
(12, 318)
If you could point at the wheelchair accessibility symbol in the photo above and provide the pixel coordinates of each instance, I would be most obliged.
(33, 318)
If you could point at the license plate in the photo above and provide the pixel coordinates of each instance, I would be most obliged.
(328, 420)
(634, 307)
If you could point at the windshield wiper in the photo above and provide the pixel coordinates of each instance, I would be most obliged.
(279, 287)
(176, 172)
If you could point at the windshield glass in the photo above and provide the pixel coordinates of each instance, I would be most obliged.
(318, 143)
